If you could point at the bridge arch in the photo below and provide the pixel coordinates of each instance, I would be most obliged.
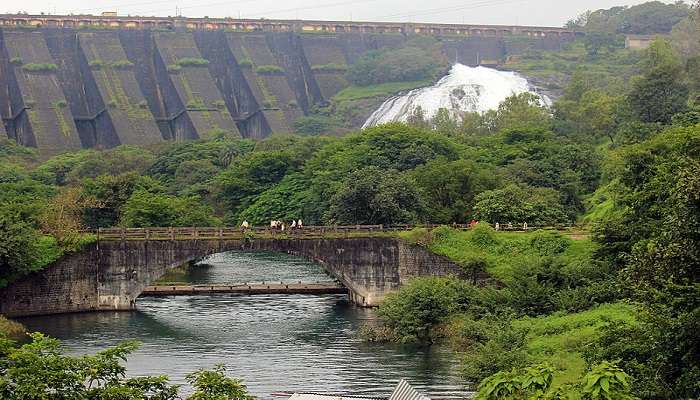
(110, 274)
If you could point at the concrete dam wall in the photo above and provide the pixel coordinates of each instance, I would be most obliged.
(66, 88)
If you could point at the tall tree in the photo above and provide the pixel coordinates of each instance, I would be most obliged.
(660, 92)
(654, 233)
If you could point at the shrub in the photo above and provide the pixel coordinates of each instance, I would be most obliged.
(412, 312)
(314, 125)
(16, 61)
(418, 237)
(192, 62)
(504, 350)
(292, 104)
(245, 63)
(399, 65)
(32, 67)
(269, 70)
(549, 243)
(121, 64)
(96, 64)
(173, 68)
(483, 236)
(269, 103)
(473, 266)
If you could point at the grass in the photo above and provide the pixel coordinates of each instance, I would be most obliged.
(46, 67)
(192, 62)
(10, 328)
(269, 70)
(382, 90)
(504, 252)
(559, 338)
(610, 70)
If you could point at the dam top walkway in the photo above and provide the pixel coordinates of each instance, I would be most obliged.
(307, 232)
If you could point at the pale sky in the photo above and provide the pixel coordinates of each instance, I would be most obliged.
(502, 12)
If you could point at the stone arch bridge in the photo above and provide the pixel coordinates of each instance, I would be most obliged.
(110, 273)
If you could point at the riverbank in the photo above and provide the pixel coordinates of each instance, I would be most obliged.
(544, 303)
(11, 329)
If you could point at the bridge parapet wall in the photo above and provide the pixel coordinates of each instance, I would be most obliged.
(111, 274)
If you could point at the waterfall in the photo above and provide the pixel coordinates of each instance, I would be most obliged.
(464, 89)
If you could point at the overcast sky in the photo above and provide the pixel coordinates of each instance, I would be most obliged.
(506, 12)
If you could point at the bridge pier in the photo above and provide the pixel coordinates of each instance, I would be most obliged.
(111, 274)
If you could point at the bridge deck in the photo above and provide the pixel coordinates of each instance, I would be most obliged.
(252, 289)
(307, 232)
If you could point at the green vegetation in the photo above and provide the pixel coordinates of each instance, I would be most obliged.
(648, 18)
(16, 61)
(192, 62)
(419, 59)
(96, 64)
(33, 67)
(269, 70)
(11, 329)
(314, 125)
(604, 381)
(246, 63)
(536, 314)
(39, 370)
(121, 64)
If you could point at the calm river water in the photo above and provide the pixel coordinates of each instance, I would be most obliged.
(274, 343)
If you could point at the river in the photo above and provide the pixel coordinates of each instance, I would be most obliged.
(274, 343)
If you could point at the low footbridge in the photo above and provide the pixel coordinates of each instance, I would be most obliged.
(109, 274)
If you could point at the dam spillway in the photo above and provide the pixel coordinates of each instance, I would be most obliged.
(66, 86)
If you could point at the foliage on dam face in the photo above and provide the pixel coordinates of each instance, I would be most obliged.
(418, 59)
(37, 67)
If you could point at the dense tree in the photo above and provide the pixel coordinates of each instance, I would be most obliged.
(419, 59)
(23, 249)
(110, 193)
(73, 167)
(219, 153)
(290, 200)
(145, 209)
(660, 92)
(251, 175)
(62, 217)
(372, 195)
(598, 42)
(653, 234)
(525, 110)
(449, 187)
(594, 114)
(519, 204)
(647, 18)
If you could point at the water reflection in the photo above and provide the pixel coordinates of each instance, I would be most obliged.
(275, 343)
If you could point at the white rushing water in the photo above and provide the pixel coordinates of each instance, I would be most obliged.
(464, 89)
